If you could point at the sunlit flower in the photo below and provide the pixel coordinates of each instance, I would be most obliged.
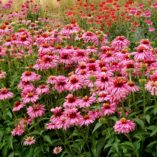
(29, 140)
(124, 126)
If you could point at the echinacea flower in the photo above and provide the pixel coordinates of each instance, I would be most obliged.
(5, 94)
(60, 83)
(42, 89)
(18, 130)
(70, 101)
(30, 76)
(108, 109)
(29, 140)
(29, 95)
(74, 83)
(18, 106)
(124, 126)
(36, 110)
(86, 101)
(119, 43)
(57, 150)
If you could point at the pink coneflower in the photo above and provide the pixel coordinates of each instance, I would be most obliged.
(87, 119)
(90, 37)
(30, 76)
(92, 67)
(143, 53)
(72, 116)
(57, 111)
(42, 89)
(120, 43)
(25, 122)
(154, 5)
(23, 85)
(71, 101)
(124, 126)
(74, 83)
(86, 101)
(66, 56)
(119, 89)
(2, 74)
(132, 87)
(50, 126)
(69, 29)
(107, 54)
(103, 96)
(29, 140)
(5, 94)
(146, 42)
(149, 22)
(29, 95)
(151, 86)
(147, 13)
(18, 130)
(108, 109)
(45, 62)
(18, 106)
(57, 150)
(81, 54)
(36, 110)
(51, 80)
(151, 29)
(103, 81)
(60, 83)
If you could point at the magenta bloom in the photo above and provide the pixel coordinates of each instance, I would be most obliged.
(90, 37)
(42, 89)
(151, 86)
(120, 88)
(74, 83)
(72, 116)
(29, 140)
(60, 83)
(87, 119)
(66, 56)
(25, 84)
(132, 87)
(144, 52)
(45, 62)
(36, 110)
(30, 76)
(119, 43)
(18, 106)
(5, 94)
(103, 81)
(19, 130)
(29, 95)
(87, 101)
(108, 109)
(70, 101)
(124, 126)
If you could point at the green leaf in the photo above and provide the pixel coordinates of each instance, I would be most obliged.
(47, 139)
(153, 129)
(97, 126)
(139, 122)
(147, 117)
(11, 155)
(151, 144)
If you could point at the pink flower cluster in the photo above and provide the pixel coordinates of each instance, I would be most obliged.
(141, 12)
(93, 77)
